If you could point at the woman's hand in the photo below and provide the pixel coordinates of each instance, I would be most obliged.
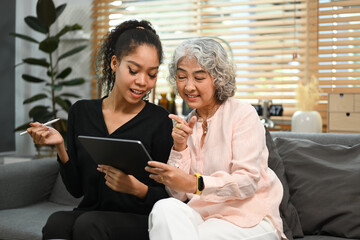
(119, 181)
(44, 135)
(172, 177)
(181, 131)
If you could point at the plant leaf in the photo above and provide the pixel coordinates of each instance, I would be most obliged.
(29, 78)
(65, 104)
(72, 52)
(49, 45)
(55, 87)
(22, 127)
(24, 37)
(41, 113)
(35, 98)
(73, 82)
(19, 64)
(60, 9)
(37, 61)
(51, 74)
(46, 12)
(69, 105)
(61, 126)
(70, 95)
(63, 74)
(36, 25)
(38, 109)
(44, 117)
(68, 28)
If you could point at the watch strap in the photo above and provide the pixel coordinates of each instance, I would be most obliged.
(199, 183)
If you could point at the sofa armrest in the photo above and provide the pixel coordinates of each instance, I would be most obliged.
(25, 183)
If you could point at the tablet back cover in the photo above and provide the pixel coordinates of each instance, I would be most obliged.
(129, 156)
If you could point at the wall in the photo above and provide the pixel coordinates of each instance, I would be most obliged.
(7, 73)
(80, 62)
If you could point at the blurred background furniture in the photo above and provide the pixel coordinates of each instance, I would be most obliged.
(344, 112)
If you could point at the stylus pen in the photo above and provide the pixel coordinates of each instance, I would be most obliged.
(45, 124)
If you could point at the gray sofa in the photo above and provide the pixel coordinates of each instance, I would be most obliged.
(320, 174)
(29, 193)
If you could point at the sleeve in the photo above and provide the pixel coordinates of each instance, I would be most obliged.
(69, 171)
(161, 146)
(181, 160)
(248, 150)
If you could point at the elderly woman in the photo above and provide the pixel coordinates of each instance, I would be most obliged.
(218, 163)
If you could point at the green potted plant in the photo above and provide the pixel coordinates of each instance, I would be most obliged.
(55, 80)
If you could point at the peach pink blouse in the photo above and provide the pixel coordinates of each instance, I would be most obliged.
(239, 186)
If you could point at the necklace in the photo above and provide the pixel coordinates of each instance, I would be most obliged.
(205, 127)
(204, 124)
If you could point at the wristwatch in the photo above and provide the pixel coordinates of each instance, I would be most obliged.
(199, 183)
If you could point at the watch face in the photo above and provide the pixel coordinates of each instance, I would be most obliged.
(200, 183)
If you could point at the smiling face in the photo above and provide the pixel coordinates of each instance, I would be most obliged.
(195, 84)
(136, 73)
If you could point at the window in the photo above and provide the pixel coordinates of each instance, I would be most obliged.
(276, 44)
(339, 46)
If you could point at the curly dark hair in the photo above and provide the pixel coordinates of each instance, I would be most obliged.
(122, 41)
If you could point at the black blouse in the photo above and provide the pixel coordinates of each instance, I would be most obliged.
(151, 126)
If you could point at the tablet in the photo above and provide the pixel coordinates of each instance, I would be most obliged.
(129, 156)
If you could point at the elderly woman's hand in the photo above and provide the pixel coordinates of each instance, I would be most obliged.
(181, 131)
(172, 177)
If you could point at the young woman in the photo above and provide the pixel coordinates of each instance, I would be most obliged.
(219, 159)
(114, 205)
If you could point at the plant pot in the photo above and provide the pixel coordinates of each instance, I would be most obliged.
(306, 121)
(45, 151)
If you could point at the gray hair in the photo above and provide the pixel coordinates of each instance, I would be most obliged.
(213, 58)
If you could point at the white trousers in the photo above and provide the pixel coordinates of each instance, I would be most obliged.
(172, 219)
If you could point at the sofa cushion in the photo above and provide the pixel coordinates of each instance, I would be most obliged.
(288, 213)
(323, 182)
(25, 183)
(60, 195)
(26, 223)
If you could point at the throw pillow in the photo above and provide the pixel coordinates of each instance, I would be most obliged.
(33, 179)
(60, 195)
(291, 223)
(324, 185)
